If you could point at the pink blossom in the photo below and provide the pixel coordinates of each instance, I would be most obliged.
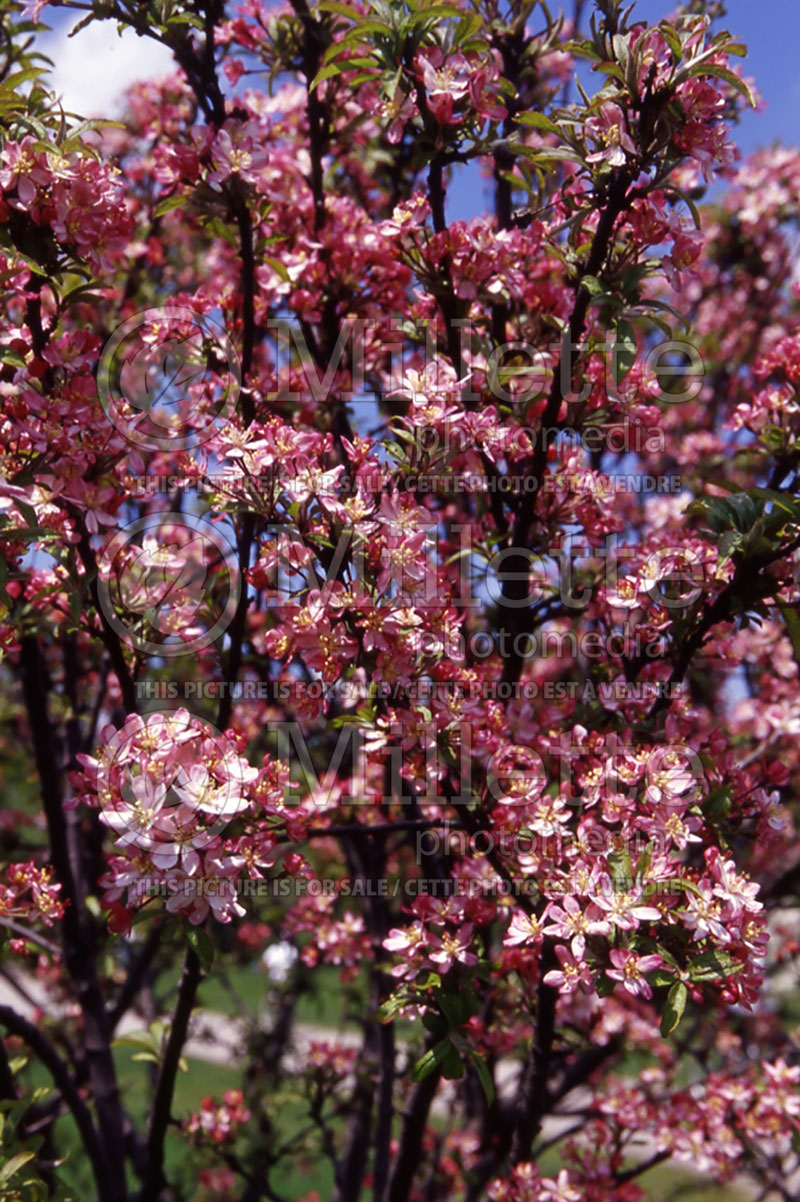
(630, 967)
(573, 972)
(452, 949)
(608, 130)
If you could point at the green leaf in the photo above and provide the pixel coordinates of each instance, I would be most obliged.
(670, 36)
(457, 1008)
(485, 1077)
(729, 76)
(134, 1039)
(372, 63)
(537, 121)
(28, 512)
(12, 82)
(737, 512)
(390, 1009)
(279, 269)
(83, 291)
(605, 986)
(429, 980)
(434, 13)
(650, 306)
(94, 123)
(358, 36)
(435, 1023)
(202, 945)
(362, 77)
(343, 10)
(673, 1011)
(643, 862)
(546, 154)
(613, 69)
(621, 51)
(327, 73)
(746, 510)
(452, 1064)
(787, 504)
(186, 19)
(792, 621)
(592, 285)
(443, 1055)
(11, 357)
(428, 1061)
(21, 532)
(619, 864)
(168, 204)
(729, 543)
(713, 966)
(718, 803)
(13, 1165)
(624, 351)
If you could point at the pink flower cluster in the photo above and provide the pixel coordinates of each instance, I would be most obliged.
(29, 895)
(79, 198)
(169, 787)
(218, 1122)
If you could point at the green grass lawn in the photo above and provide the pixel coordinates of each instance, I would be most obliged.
(305, 1169)
(200, 1079)
(664, 1184)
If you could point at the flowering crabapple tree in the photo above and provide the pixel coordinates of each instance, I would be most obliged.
(399, 613)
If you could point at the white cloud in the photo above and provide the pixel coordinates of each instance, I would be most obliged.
(92, 70)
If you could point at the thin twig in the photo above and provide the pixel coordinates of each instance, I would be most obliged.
(155, 1180)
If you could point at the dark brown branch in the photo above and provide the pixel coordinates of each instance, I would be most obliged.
(111, 639)
(8, 1089)
(644, 1167)
(363, 831)
(244, 223)
(383, 1129)
(238, 625)
(313, 47)
(536, 1100)
(415, 1118)
(743, 583)
(601, 243)
(515, 586)
(32, 936)
(40, 1045)
(354, 1162)
(583, 1067)
(155, 1180)
(79, 938)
